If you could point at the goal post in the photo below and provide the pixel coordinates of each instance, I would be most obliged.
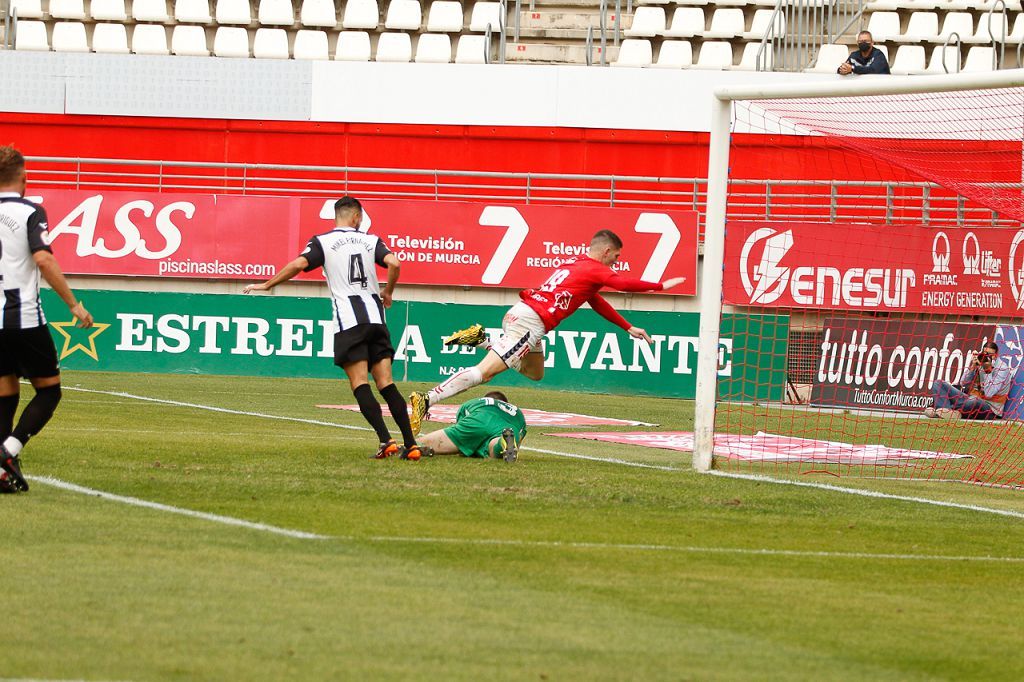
(714, 256)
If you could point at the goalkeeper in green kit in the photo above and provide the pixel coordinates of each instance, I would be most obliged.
(484, 427)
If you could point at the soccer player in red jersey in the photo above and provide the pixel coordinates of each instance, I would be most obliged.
(574, 283)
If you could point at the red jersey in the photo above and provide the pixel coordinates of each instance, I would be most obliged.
(577, 282)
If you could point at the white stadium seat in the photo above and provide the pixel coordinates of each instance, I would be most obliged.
(675, 54)
(687, 22)
(276, 13)
(67, 9)
(725, 24)
(149, 39)
(634, 52)
(761, 22)
(189, 41)
(1017, 34)
(922, 5)
(310, 45)
(471, 49)
(109, 38)
(991, 26)
(979, 58)
(749, 60)
(149, 10)
(27, 9)
(647, 22)
(961, 23)
(360, 14)
(270, 43)
(107, 10)
(353, 46)
(192, 12)
(394, 47)
(986, 5)
(433, 48)
(884, 26)
(922, 27)
(69, 36)
(485, 13)
(830, 56)
(714, 55)
(236, 12)
(445, 16)
(909, 59)
(31, 35)
(404, 15)
(231, 41)
(952, 63)
(318, 13)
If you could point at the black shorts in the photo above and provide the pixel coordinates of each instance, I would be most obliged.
(369, 342)
(29, 353)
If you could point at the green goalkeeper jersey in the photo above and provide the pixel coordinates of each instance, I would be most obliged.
(481, 420)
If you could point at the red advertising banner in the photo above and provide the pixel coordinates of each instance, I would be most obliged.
(248, 238)
(918, 269)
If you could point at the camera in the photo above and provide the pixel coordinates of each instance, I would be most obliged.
(984, 356)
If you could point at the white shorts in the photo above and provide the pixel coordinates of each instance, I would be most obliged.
(522, 332)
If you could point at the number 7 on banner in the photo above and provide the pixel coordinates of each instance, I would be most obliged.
(663, 225)
(516, 230)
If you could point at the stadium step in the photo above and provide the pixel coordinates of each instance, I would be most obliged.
(556, 53)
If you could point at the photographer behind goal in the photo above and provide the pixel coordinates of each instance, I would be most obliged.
(980, 393)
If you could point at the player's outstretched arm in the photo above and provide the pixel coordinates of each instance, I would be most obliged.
(394, 269)
(603, 308)
(672, 283)
(285, 274)
(54, 276)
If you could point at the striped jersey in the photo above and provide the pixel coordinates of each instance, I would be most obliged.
(348, 257)
(22, 233)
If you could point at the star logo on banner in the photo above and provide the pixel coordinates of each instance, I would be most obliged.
(77, 339)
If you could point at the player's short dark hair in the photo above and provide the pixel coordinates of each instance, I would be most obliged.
(347, 204)
(866, 33)
(992, 346)
(606, 238)
(12, 163)
(497, 395)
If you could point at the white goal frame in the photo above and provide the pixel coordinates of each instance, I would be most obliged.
(714, 225)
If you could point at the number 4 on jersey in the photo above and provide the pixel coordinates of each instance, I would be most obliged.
(356, 272)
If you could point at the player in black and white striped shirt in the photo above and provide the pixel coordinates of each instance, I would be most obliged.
(26, 348)
(362, 342)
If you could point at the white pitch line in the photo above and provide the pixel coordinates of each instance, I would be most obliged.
(136, 502)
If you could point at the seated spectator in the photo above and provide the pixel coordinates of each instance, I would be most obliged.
(867, 58)
(980, 393)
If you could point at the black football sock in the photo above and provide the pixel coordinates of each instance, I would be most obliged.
(400, 412)
(8, 406)
(37, 413)
(370, 408)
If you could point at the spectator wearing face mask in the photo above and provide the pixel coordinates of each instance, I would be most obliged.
(867, 58)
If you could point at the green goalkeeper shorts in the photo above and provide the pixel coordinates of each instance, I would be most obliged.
(472, 434)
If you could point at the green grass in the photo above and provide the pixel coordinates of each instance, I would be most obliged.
(540, 574)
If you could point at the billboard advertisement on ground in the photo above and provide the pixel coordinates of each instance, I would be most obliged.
(205, 236)
(293, 337)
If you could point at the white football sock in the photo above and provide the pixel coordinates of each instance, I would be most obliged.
(13, 445)
(462, 380)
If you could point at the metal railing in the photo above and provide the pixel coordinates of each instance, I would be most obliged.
(816, 200)
(809, 24)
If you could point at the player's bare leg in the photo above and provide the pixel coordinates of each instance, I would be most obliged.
(532, 366)
(439, 443)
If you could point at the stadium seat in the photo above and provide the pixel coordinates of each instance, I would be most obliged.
(27, 9)
(361, 14)
(31, 35)
(191, 12)
(189, 41)
(318, 13)
(67, 9)
(675, 54)
(979, 58)
(404, 15)
(830, 56)
(485, 13)
(647, 22)
(276, 13)
(760, 23)
(231, 41)
(149, 38)
(270, 43)
(909, 59)
(922, 27)
(921, 5)
(1017, 34)
(732, 3)
(108, 10)
(986, 5)
(433, 48)
(749, 60)
(884, 25)
(310, 45)
(233, 12)
(353, 46)
(991, 26)
(883, 5)
(109, 38)
(714, 55)
(687, 22)
(445, 16)
(471, 49)
(634, 52)
(394, 47)
(961, 23)
(726, 24)
(652, 2)
(952, 64)
(149, 10)
(69, 36)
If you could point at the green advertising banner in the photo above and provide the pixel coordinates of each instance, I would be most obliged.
(293, 337)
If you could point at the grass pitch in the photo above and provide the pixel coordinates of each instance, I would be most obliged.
(550, 568)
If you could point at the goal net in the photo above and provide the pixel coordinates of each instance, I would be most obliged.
(878, 322)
